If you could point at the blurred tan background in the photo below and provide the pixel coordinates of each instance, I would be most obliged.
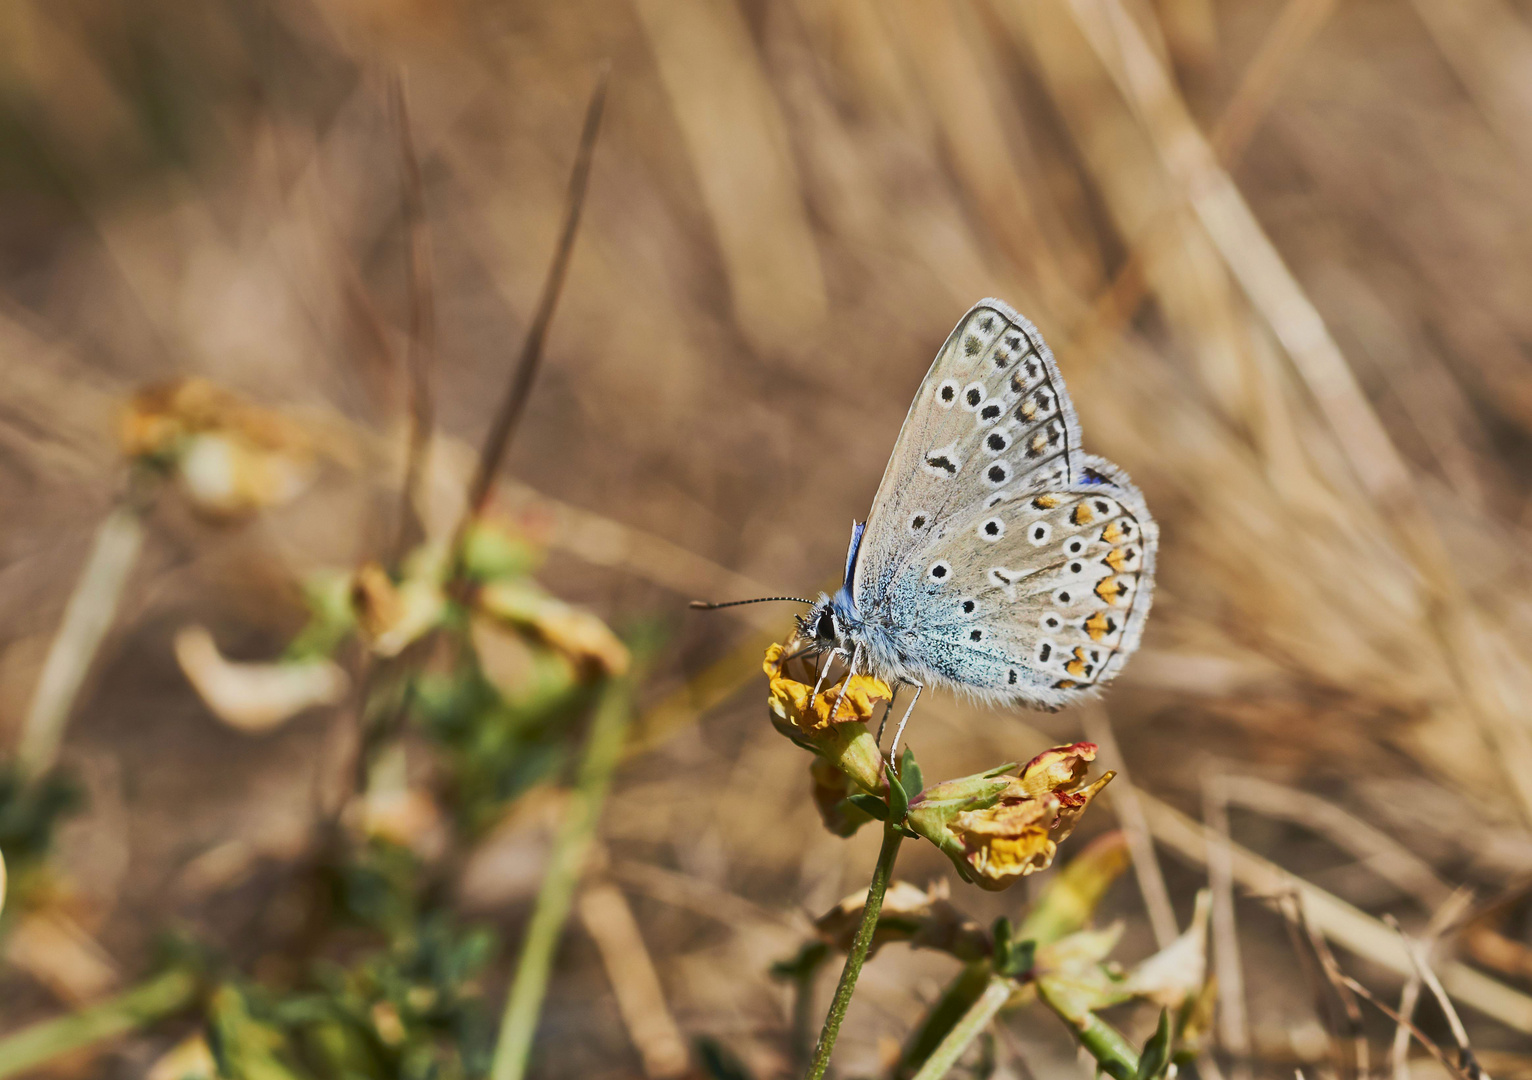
(1282, 250)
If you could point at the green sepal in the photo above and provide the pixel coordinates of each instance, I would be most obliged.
(909, 772)
(898, 799)
(870, 805)
(1155, 1059)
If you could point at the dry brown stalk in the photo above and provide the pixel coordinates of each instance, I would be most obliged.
(1130, 813)
(1361, 1055)
(1292, 318)
(1375, 849)
(1233, 1023)
(420, 360)
(1337, 920)
(640, 996)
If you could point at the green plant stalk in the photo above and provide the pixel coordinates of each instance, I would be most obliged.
(158, 998)
(966, 1030)
(955, 1001)
(523, 1005)
(892, 837)
(803, 1019)
(1115, 1054)
(87, 617)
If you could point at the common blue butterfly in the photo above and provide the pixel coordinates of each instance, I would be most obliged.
(999, 559)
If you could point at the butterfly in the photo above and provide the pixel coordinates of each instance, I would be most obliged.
(999, 559)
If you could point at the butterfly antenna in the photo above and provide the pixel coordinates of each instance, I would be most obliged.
(703, 605)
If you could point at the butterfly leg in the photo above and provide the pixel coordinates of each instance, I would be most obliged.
(893, 750)
(829, 663)
(883, 723)
(856, 654)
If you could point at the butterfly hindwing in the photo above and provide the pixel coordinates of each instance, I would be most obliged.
(992, 417)
(1032, 585)
(1043, 597)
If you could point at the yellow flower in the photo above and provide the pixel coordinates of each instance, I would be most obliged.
(576, 633)
(1020, 833)
(845, 744)
(230, 457)
(392, 617)
(863, 694)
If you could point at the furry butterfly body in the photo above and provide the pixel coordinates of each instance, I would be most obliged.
(999, 559)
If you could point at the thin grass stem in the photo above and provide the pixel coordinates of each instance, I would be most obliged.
(154, 1000)
(881, 874)
(87, 617)
(523, 1005)
(967, 1029)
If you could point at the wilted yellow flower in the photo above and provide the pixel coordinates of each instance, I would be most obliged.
(790, 694)
(576, 633)
(845, 744)
(230, 457)
(255, 697)
(1020, 833)
(391, 616)
(923, 917)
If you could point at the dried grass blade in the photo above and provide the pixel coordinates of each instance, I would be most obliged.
(420, 359)
(1337, 920)
(640, 996)
(1130, 812)
(1233, 1020)
(520, 389)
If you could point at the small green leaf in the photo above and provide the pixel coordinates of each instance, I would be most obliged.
(1153, 1062)
(909, 772)
(1012, 958)
(717, 1062)
(803, 965)
(898, 800)
(871, 805)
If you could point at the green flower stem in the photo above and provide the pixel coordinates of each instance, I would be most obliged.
(966, 1030)
(1115, 1054)
(159, 997)
(892, 836)
(523, 1006)
(961, 994)
(1117, 1057)
(87, 617)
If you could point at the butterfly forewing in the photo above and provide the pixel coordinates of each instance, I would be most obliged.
(991, 419)
(1035, 588)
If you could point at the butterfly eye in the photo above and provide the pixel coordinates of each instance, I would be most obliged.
(939, 570)
(826, 628)
(1039, 533)
(947, 392)
(992, 530)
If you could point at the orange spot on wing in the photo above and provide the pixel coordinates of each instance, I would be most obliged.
(1083, 515)
(1099, 625)
(1111, 589)
(1112, 533)
(1118, 558)
(1045, 502)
